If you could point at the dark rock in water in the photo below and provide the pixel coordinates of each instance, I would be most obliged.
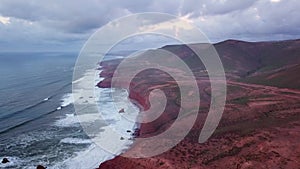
(122, 138)
(136, 132)
(40, 167)
(128, 131)
(5, 160)
(122, 111)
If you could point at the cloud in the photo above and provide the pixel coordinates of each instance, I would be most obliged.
(264, 20)
(4, 20)
(69, 16)
(58, 22)
(80, 16)
(214, 7)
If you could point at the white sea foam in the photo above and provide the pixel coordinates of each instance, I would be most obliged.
(109, 109)
(75, 141)
(83, 94)
(94, 155)
(78, 80)
(120, 57)
(101, 79)
(70, 120)
(67, 99)
(87, 159)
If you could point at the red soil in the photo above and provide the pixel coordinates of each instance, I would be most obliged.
(260, 127)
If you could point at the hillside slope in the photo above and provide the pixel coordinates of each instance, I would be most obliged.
(246, 58)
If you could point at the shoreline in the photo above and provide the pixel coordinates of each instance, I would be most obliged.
(139, 96)
(134, 98)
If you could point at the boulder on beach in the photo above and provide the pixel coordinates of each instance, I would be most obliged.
(122, 111)
(5, 160)
(40, 167)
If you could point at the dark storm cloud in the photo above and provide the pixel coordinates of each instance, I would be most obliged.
(81, 16)
(69, 16)
(58, 21)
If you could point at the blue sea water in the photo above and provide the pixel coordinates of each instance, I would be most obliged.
(37, 124)
(27, 80)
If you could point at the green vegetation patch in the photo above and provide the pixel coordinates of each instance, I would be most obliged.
(240, 100)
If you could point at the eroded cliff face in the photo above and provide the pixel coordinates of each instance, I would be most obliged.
(259, 127)
(139, 91)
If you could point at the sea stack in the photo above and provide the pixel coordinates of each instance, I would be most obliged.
(5, 160)
(40, 167)
(122, 111)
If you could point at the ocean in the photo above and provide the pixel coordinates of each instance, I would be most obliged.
(38, 123)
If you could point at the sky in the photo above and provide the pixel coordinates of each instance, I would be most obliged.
(65, 25)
